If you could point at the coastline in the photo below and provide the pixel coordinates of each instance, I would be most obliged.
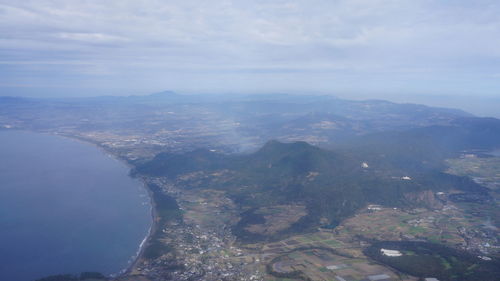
(154, 214)
(154, 227)
(134, 260)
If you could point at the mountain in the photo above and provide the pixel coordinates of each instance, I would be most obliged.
(425, 148)
(398, 169)
(228, 122)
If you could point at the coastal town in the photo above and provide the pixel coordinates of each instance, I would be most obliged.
(203, 247)
(201, 243)
(233, 140)
(206, 249)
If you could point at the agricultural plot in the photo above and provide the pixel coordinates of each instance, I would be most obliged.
(276, 218)
(484, 170)
(439, 226)
(323, 264)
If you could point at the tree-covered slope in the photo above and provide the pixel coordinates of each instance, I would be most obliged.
(423, 149)
(333, 184)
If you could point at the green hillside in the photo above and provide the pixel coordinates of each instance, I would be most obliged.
(331, 184)
(423, 259)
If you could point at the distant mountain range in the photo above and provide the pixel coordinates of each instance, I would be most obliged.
(369, 151)
(231, 123)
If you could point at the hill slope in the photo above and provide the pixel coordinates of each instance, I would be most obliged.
(331, 185)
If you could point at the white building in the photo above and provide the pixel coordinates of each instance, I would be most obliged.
(391, 253)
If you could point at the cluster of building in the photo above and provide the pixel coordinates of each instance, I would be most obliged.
(480, 241)
(200, 252)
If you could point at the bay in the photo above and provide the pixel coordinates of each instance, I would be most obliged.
(66, 207)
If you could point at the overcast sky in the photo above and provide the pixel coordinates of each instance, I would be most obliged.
(365, 47)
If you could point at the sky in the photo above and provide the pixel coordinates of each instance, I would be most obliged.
(362, 48)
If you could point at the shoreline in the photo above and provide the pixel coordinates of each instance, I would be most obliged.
(154, 215)
(154, 227)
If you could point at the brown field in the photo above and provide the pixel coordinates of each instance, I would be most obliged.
(319, 264)
(277, 218)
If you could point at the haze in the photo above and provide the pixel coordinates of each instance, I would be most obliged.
(433, 52)
(275, 140)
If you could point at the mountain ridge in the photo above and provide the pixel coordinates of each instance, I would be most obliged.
(331, 184)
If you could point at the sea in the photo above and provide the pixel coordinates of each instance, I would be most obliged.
(66, 207)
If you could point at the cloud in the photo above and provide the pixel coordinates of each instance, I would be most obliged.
(402, 40)
(90, 37)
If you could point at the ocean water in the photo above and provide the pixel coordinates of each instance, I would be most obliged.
(66, 207)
